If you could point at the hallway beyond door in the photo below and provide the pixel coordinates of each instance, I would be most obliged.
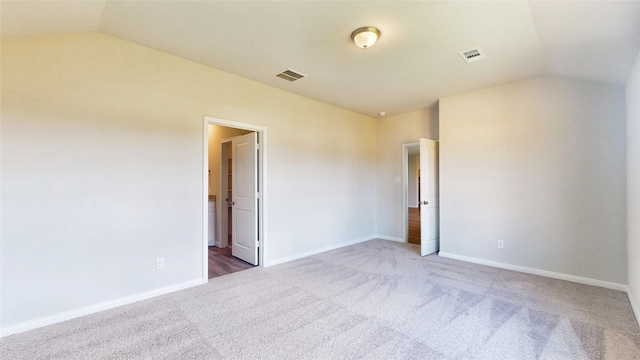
(221, 262)
(414, 226)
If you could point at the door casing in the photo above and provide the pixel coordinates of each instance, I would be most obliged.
(261, 176)
(405, 187)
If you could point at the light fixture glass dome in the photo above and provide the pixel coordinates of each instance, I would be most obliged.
(365, 37)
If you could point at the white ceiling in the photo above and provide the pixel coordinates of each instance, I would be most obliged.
(414, 63)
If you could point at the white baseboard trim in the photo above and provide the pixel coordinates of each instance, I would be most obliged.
(634, 306)
(390, 238)
(53, 319)
(545, 273)
(316, 251)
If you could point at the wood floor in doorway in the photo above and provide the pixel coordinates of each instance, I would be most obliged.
(221, 262)
(414, 226)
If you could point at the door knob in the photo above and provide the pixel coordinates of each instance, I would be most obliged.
(425, 202)
(232, 203)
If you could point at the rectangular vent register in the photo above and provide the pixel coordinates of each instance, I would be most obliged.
(290, 75)
(472, 55)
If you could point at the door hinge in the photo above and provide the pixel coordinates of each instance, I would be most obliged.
(257, 146)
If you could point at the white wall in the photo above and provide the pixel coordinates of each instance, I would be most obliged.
(393, 131)
(539, 164)
(633, 187)
(412, 180)
(102, 152)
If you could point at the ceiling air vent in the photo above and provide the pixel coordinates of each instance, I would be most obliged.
(290, 75)
(472, 55)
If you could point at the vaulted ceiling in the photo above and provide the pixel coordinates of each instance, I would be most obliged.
(415, 62)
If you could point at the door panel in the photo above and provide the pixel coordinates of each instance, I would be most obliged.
(429, 206)
(244, 198)
(242, 237)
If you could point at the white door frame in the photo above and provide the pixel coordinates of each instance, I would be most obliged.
(262, 180)
(405, 189)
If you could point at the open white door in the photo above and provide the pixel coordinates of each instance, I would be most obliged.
(429, 199)
(244, 198)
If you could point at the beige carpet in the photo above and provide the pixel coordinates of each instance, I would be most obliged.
(375, 300)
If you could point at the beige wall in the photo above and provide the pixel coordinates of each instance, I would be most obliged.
(102, 169)
(393, 131)
(539, 164)
(633, 186)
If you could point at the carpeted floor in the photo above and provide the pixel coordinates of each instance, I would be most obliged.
(375, 300)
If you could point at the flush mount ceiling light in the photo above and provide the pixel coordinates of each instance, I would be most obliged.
(365, 37)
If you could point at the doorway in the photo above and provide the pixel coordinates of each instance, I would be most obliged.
(421, 195)
(413, 194)
(218, 259)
